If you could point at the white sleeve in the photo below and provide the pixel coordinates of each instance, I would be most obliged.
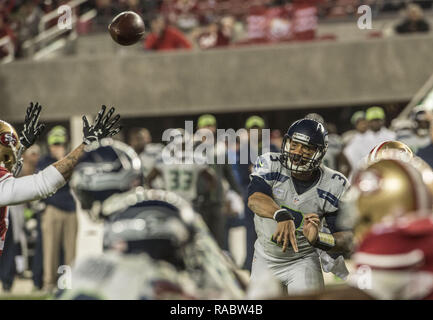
(37, 186)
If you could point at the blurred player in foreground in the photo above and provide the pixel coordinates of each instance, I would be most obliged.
(290, 193)
(398, 150)
(156, 246)
(45, 183)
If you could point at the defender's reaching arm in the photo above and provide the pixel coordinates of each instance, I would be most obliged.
(48, 181)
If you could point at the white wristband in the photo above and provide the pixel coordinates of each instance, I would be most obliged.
(276, 212)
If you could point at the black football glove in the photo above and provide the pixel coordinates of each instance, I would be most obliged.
(102, 127)
(32, 129)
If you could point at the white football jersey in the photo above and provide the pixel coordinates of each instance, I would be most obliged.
(181, 178)
(322, 198)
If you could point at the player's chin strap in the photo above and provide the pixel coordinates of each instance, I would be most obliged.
(16, 169)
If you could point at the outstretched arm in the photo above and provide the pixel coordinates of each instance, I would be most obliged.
(66, 165)
(48, 181)
(101, 128)
(104, 126)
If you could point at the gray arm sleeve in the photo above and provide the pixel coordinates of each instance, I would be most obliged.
(36, 186)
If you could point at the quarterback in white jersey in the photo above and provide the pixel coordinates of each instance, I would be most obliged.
(290, 194)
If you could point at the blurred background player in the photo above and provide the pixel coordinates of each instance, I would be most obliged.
(157, 223)
(290, 193)
(414, 130)
(362, 143)
(210, 204)
(180, 168)
(425, 130)
(335, 147)
(59, 223)
(360, 125)
(140, 140)
(421, 116)
(243, 170)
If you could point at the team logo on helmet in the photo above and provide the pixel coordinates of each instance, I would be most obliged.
(8, 138)
(368, 181)
(301, 137)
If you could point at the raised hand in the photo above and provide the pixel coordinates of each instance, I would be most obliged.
(32, 129)
(103, 126)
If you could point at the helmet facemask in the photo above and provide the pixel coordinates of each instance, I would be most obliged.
(9, 147)
(300, 163)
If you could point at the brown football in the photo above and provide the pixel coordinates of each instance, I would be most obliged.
(127, 28)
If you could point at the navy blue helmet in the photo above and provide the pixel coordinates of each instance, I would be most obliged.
(307, 132)
(106, 168)
(156, 222)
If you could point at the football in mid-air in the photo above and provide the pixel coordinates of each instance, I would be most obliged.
(127, 28)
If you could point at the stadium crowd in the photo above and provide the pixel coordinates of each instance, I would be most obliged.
(42, 234)
(186, 24)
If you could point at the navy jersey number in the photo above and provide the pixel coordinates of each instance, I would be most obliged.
(340, 177)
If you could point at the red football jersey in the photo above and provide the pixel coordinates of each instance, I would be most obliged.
(406, 245)
(4, 174)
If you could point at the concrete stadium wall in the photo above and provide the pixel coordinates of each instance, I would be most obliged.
(318, 74)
